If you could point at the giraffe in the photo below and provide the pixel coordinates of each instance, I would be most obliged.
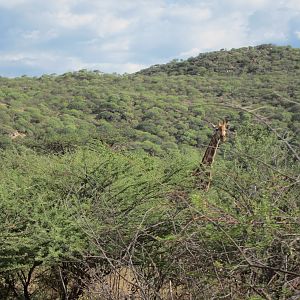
(203, 172)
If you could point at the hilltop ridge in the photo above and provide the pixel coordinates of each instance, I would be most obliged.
(260, 59)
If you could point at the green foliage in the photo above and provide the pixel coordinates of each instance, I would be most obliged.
(96, 177)
(46, 201)
(151, 110)
(248, 60)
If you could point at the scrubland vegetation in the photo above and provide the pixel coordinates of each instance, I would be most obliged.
(97, 197)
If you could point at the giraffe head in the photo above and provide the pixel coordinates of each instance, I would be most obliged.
(222, 130)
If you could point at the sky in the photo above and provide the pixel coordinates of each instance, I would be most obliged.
(123, 36)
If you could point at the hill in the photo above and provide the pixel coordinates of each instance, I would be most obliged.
(158, 109)
(263, 59)
(99, 198)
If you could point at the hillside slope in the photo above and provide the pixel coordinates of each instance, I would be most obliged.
(99, 198)
(160, 109)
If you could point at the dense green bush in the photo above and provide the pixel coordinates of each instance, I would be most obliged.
(97, 194)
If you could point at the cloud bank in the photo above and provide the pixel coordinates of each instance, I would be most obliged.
(124, 36)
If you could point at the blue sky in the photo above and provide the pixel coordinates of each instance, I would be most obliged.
(57, 36)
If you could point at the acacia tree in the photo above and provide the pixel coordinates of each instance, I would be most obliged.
(37, 231)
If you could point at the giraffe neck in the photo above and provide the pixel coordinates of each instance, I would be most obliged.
(203, 172)
(211, 150)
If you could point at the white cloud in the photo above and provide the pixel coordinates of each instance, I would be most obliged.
(31, 35)
(38, 35)
(11, 3)
(110, 24)
(123, 36)
(54, 63)
(189, 53)
(22, 60)
(120, 68)
(14, 57)
(249, 4)
(118, 45)
(98, 21)
(188, 13)
(291, 4)
(71, 20)
(224, 32)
